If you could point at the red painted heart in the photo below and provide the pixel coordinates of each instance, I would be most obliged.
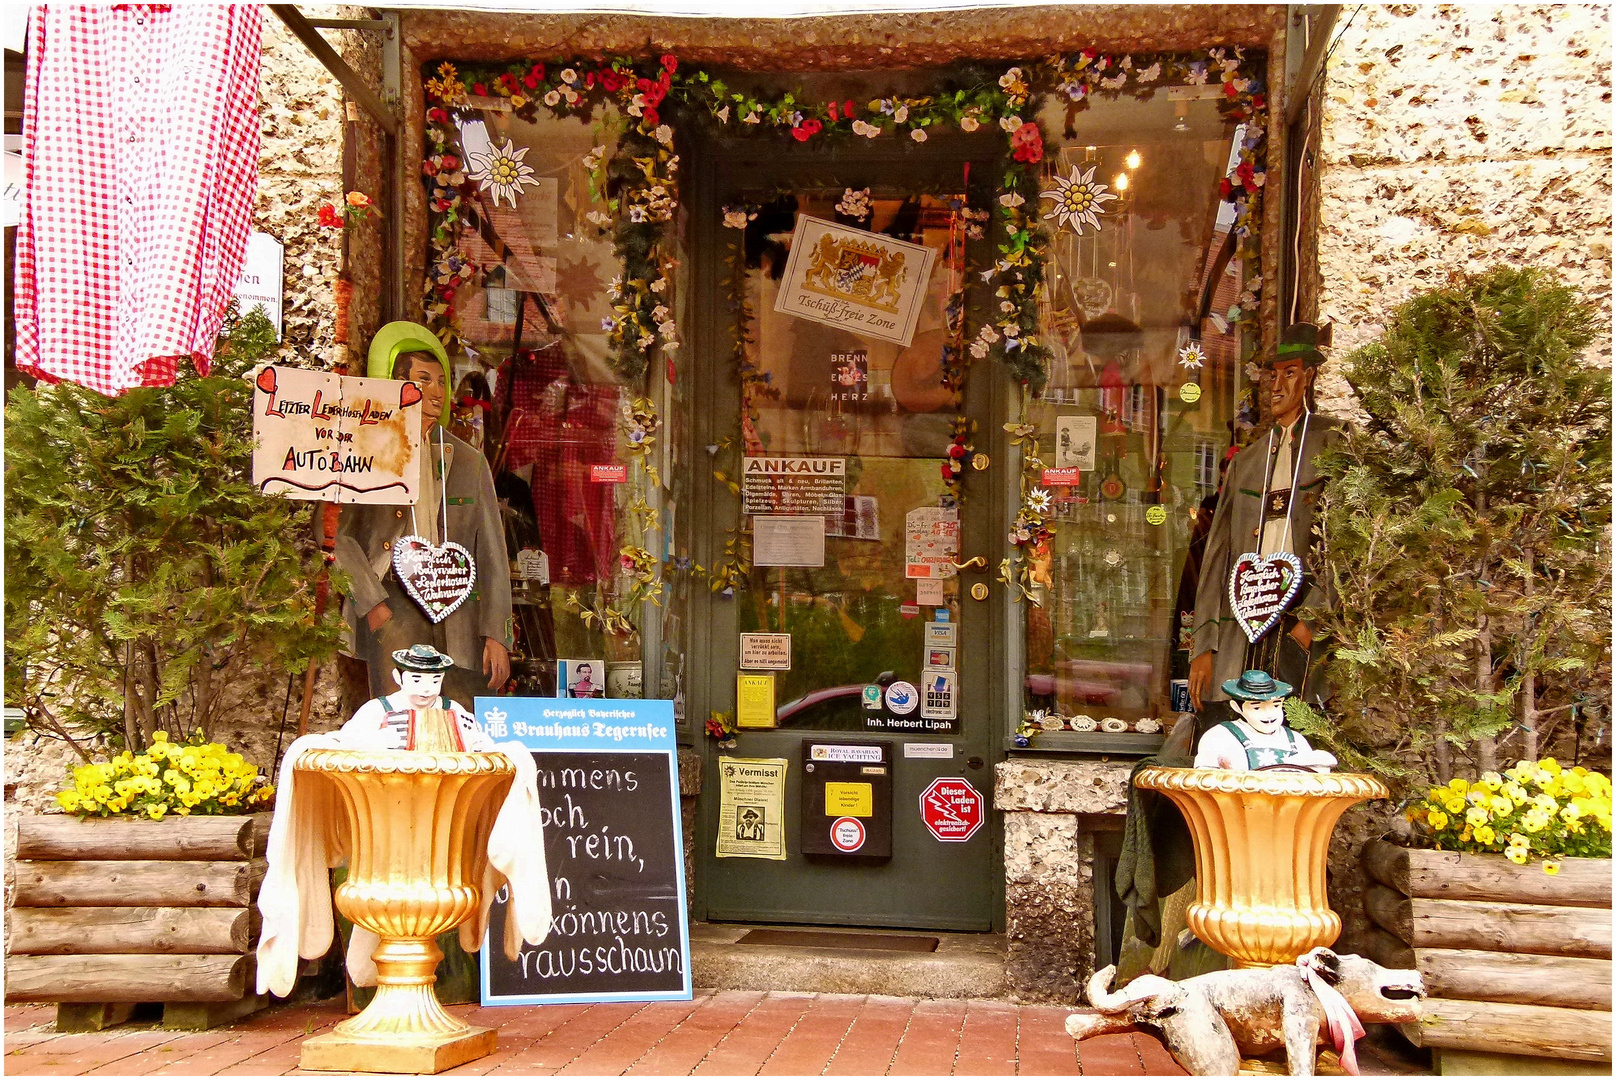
(438, 578)
(1261, 588)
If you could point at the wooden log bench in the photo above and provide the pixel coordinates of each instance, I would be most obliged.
(1516, 962)
(112, 913)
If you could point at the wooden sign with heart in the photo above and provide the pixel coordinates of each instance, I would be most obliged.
(438, 578)
(1261, 588)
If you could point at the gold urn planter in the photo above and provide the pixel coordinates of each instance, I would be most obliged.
(418, 824)
(1261, 844)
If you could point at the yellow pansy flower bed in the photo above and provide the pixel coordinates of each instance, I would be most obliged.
(1535, 810)
(195, 777)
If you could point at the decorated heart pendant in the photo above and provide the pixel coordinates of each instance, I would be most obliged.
(1261, 588)
(437, 578)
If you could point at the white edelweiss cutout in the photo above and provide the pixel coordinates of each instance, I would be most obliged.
(1078, 200)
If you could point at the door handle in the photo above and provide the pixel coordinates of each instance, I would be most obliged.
(975, 562)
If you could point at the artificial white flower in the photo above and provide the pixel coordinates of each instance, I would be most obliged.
(1010, 123)
(501, 171)
(969, 123)
(1039, 500)
(1077, 200)
(1011, 199)
(1191, 356)
(1012, 331)
(593, 159)
(659, 284)
(734, 219)
(979, 349)
(569, 76)
(1006, 306)
(723, 115)
(918, 134)
(751, 118)
(597, 218)
(663, 134)
(553, 98)
(901, 113)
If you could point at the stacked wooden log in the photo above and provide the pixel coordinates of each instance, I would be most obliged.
(1516, 961)
(110, 913)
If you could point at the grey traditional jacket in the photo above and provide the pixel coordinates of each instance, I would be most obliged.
(1235, 530)
(365, 532)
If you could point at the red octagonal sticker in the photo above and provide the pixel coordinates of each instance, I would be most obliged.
(952, 809)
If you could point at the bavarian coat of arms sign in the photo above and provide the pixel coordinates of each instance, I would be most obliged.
(865, 283)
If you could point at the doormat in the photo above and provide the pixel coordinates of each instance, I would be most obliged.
(825, 939)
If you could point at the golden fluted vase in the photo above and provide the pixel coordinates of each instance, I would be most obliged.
(1262, 841)
(418, 825)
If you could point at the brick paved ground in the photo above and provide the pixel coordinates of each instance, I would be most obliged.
(728, 1032)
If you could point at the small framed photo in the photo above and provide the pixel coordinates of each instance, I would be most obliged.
(581, 678)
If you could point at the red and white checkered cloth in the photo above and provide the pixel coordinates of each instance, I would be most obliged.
(140, 158)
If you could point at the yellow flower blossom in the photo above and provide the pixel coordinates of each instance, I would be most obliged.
(1485, 834)
(1475, 816)
(1438, 820)
(1516, 856)
(1454, 806)
(1551, 867)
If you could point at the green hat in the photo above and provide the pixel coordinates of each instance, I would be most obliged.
(402, 337)
(1256, 686)
(422, 658)
(1302, 341)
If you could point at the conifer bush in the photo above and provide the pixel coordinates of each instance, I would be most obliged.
(1465, 529)
(144, 571)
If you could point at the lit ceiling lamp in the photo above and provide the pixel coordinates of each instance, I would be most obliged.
(1133, 159)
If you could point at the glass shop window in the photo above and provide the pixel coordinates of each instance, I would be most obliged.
(536, 391)
(1135, 420)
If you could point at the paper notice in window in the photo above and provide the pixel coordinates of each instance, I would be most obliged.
(931, 542)
(929, 592)
(788, 541)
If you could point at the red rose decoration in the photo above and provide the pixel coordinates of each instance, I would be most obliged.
(479, 89)
(801, 134)
(644, 85)
(670, 63)
(451, 162)
(1224, 189)
(1228, 90)
(956, 451)
(652, 118)
(832, 110)
(531, 82)
(429, 168)
(328, 217)
(1259, 101)
(437, 116)
(537, 72)
(847, 108)
(589, 78)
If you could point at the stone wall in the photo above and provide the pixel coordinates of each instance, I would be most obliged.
(1456, 137)
(1052, 808)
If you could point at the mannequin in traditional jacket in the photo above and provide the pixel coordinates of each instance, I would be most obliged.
(1242, 523)
(477, 634)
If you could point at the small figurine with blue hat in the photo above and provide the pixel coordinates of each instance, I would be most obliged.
(1258, 737)
(395, 721)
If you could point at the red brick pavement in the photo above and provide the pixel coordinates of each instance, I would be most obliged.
(725, 1032)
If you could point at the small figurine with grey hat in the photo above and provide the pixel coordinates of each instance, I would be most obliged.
(1258, 738)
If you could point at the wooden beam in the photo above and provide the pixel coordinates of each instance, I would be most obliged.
(210, 839)
(1570, 982)
(1301, 89)
(42, 931)
(127, 978)
(1451, 875)
(1491, 927)
(1494, 1027)
(351, 81)
(137, 883)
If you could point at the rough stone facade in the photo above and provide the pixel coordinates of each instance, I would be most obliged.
(1052, 809)
(1456, 137)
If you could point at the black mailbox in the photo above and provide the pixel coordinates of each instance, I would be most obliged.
(846, 798)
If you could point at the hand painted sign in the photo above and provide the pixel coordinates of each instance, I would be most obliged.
(868, 284)
(320, 435)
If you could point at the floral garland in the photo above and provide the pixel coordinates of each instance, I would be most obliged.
(640, 184)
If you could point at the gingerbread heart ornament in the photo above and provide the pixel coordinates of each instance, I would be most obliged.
(1261, 588)
(437, 577)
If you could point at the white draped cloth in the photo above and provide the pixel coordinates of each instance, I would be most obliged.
(309, 835)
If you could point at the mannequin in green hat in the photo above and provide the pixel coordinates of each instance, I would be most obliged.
(1257, 738)
(1279, 463)
(457, 503)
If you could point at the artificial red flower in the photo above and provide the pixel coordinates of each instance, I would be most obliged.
(1027, 144)
(1229, 90)
(329, 218)
(531, 81)
(801, 134)
(429, 168)
(1224, 189)
(1258, 101)
(670, 63)
(644, 85)
(589, 78)
(451, 162)
(847, 108)
(956, 451)
(437, 116)
(537, 72)
(833, 110)
(652, 119)
(479, 89)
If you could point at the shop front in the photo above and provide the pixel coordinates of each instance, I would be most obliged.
(870, 411)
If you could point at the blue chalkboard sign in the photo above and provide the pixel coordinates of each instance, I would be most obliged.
(609, 788)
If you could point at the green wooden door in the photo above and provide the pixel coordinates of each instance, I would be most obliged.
(793, 388)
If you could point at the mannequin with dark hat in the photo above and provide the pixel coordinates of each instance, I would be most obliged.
(1257, 738)
(1267, 507)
